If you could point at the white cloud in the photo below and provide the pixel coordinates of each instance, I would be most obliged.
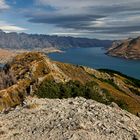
(10, 28)
(98, 23)
(3, 5)
(66, 34)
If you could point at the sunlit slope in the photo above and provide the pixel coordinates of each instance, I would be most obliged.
(36, 75)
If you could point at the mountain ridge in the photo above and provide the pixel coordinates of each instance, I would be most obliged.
(45, 99)
(15, 40)
(33, 73)
(128, 49)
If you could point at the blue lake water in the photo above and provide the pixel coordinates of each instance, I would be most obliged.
(1, 65)
(95, 58)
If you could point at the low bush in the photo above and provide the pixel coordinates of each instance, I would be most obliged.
(91, 90)
(133, 81)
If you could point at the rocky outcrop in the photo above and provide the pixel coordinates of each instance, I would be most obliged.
(72, 119)
(129, 49)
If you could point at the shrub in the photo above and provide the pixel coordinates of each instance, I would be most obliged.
(135, 91)
(6, 79)
(91, 90)
(122, 104)
(135, 82)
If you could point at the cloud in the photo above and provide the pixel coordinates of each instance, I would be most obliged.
(80, 6)
(3, 5)
(88, 17)
(82, 3)
(10, 28)
(66, 34)
(66, 21)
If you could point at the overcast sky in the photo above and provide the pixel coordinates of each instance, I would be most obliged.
(103, 19)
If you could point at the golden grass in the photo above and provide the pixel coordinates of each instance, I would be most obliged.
(133, 104)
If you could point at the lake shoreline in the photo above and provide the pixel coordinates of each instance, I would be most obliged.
(90, 57)
(96, 58)
(6, 55)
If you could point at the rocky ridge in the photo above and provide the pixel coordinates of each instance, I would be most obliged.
(15, 40)
(31, 69)
(73, 119)
(128, 49)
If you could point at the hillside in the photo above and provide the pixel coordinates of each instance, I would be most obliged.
(71, 119)
(34, 74)
(37, 41)
(129, 49)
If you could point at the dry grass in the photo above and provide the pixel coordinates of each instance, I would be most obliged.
(132, 102)
(76, 73)
(6, 55)
(29, 67)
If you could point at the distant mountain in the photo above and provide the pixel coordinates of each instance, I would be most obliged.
(129, 48)
(31, 41)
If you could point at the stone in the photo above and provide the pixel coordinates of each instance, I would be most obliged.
(54, 119)
(138, 114)
(114, 105)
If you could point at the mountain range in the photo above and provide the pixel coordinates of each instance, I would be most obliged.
(15, 40)
(129, 48)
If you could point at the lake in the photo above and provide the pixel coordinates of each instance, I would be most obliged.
(1, 65)
(96, 58)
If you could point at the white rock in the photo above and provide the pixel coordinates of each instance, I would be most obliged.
(74, 119)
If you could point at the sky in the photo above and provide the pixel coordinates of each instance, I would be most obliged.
(102, 19)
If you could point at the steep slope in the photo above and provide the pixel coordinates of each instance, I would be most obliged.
(36, 74)
(72, 119)
(34, 41)
(129, 49)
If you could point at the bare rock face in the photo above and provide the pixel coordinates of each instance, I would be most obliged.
(129, 49)
(71, 119)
